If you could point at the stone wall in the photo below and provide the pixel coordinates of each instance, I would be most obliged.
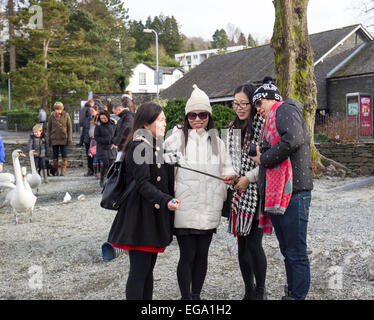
(358, 157)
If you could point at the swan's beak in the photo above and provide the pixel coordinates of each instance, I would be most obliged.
(22, 154)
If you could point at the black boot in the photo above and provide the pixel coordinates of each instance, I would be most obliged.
(195, 296)
(249, 294)
(260, 293)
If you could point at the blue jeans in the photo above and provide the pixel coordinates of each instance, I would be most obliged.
(40, 163)
(291, 231)
(57, 149)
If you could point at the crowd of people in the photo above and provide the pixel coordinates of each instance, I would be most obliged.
(262, 173)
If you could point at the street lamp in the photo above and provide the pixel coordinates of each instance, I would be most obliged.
(157, 74)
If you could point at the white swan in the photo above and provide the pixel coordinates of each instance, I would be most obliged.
(21, 198)
(33, 178)
(7, 180)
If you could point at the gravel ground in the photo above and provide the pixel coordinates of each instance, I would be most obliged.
(58, 254)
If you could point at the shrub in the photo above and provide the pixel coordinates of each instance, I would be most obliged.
(336, 128)
(21, 119)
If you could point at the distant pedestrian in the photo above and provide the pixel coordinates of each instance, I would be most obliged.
(39, 143)
(42, 116)
(124, 124)
(104, 133)
(2, 154)
(59, 132)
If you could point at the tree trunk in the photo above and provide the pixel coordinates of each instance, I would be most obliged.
(12, 47)
(45, 65)
(294, 63)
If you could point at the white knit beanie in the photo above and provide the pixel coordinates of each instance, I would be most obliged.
(199, 100)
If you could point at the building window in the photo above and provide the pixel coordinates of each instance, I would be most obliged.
(142, 78)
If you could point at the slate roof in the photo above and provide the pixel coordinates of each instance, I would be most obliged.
(218, 76)
(360, 63)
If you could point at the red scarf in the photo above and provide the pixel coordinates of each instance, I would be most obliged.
(278, 190)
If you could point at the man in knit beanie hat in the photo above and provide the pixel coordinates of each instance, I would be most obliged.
(285, 181)
(198, 100)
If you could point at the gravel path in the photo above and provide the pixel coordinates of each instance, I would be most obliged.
(58, 254)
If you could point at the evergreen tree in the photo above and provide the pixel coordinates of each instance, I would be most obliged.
(251, 41)
(220, 39)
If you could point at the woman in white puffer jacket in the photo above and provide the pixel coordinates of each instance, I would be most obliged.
(201, 196)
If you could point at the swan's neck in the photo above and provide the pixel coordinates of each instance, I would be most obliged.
(17, 170)
(32, 163)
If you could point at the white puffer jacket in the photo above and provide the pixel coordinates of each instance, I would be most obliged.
(201, 196)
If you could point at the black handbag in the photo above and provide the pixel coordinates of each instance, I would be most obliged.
(115, 190)
(226, 209)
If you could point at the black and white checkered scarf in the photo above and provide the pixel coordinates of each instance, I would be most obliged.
(244, 204)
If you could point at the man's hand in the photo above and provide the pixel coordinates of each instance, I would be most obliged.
(257, 157)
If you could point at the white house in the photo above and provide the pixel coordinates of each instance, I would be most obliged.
(143, 78)
(189, 60)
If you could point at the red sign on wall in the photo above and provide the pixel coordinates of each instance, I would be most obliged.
(366, 126)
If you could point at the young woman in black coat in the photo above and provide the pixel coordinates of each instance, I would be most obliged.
(144, 222)
(104, 133)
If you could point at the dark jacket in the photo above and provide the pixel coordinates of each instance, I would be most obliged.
(144, 218)
(124, 125)
(104, 133)
(295, 143)
(40, 145)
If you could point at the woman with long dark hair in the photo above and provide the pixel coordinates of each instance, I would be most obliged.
(201, 196)
(243, 134)
(144, 223)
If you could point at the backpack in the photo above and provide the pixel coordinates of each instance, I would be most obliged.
(115, 190)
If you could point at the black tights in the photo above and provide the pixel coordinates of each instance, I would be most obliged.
(193, 263)
(140, 281)
(252, 259)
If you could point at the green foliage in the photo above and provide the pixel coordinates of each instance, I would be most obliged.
(319, 137)
(21, 119)
(222, 116)
(174, 112)
(220, 39)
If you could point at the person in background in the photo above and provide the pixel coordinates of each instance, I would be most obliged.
(42, 116)
(144, 223)
(285, 181)
(39, 143)
(124, 124)
(128, 94)
(59, 132)
(84, 113)
(85, 123)
(244, 132)
(201, 196)
(104, 133)
(2, 154)
(94, 112)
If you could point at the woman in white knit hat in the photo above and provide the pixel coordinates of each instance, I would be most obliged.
(201, 196)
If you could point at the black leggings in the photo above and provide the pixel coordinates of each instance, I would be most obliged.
(252, 258)
(193, 263)
(140, 281)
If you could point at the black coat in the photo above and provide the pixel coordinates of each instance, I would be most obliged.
(144, 218)
(104, 133)
(123, 128)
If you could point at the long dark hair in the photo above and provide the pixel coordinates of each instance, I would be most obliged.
(246, 126)
(213, 138)
(146, 114)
